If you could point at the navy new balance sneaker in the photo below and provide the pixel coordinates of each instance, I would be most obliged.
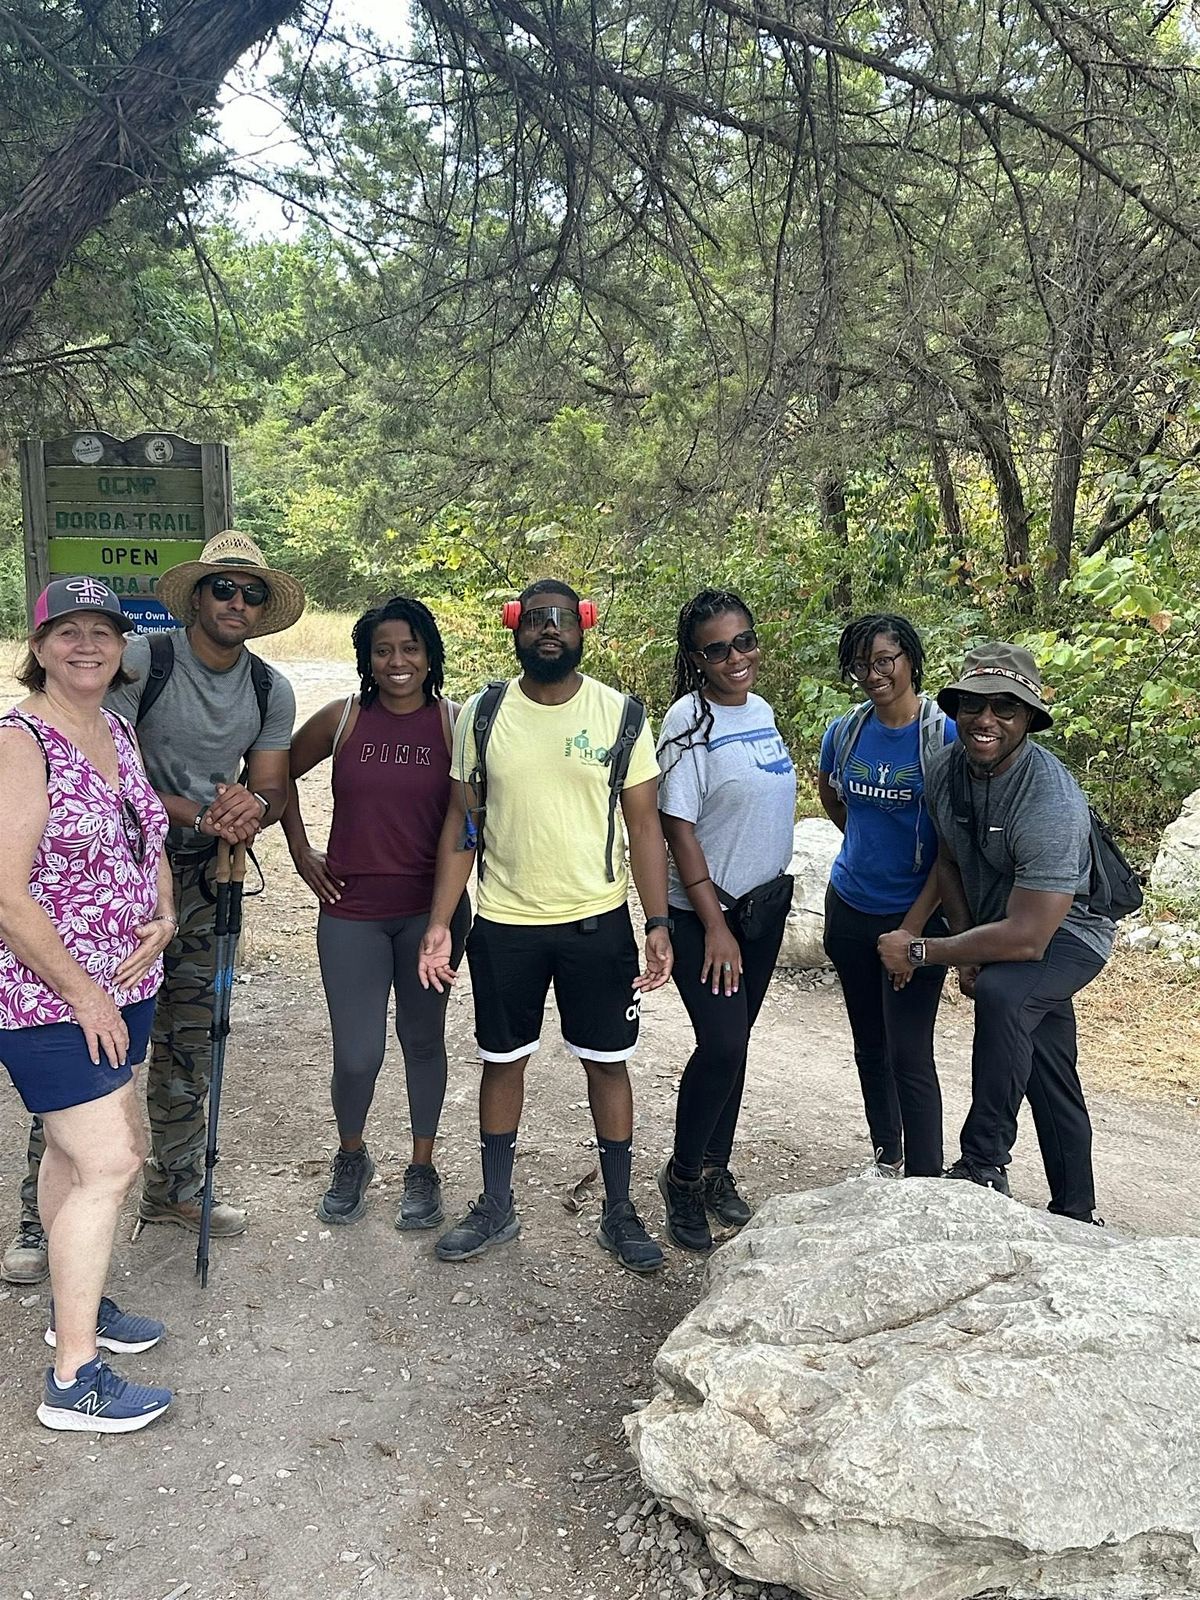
(117, 1330)
(100, 1402)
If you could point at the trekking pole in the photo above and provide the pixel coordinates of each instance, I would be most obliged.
(231, 874)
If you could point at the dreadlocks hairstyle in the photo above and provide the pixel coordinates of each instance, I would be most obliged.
(855, 642)
(689, 678)
(400, 608)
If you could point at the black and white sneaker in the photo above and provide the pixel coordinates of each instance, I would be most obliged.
(986, 1177)
(346, 1198)
(421, 1206)
(486, 1223)
(623, 1233)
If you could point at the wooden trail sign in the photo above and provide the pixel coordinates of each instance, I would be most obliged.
(121, 509)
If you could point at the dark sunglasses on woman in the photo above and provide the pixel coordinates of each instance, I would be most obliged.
(719, 650)
(254, 593)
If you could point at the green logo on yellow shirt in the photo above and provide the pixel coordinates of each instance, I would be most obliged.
(582, 746)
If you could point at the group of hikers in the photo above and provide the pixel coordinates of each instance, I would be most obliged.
(133, 759)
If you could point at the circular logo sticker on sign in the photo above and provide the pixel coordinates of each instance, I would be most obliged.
(88, 448)
(159, 451)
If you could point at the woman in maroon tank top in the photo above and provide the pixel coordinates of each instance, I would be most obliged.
(390, 745)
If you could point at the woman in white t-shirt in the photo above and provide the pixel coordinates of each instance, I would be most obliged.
(727, 796)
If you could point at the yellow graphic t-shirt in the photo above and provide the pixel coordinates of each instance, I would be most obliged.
(547, 804)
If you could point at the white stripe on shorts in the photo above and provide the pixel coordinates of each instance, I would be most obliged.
(509, 1055)
(599, 1055)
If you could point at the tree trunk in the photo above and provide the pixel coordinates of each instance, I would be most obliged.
(952, 523)
(989, 419)
(117, 146)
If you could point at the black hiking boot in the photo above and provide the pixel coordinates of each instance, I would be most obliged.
(622, 1232)
(486, 1223)
(687, 1224)
(986, 1177)
(346, 1198)
(723, 1200)
(421, 1206)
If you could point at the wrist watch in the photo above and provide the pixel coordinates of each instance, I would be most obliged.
(660, 922)
(200, 816)
(916, 952)
(262, 800)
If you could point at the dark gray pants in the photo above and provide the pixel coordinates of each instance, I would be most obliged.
(1025, 1047)
(362, 964)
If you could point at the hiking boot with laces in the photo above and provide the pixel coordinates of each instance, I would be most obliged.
(99, 1402)
(721, 1197)
(880, 1168)
(421, 1206)
(122, 1331)
(346, 1198)
(687, 1221)
(486, 1223)
(622, 1232)
(986, 1177)
(227, 1221)
(26, 1260)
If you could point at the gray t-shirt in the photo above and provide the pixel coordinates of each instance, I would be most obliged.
(737, 787)
(1028, 827)
(197, 732)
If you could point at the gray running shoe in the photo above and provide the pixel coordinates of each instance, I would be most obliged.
(622, 1232)
(485, 1224)
(880, 1168)
(26, 1260)
(346, 1198)
(421, 1206)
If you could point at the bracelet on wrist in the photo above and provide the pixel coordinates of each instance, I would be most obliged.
(200, 816)
(166, 916)
(698, 882)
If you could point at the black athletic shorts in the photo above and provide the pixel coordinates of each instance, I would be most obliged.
(592, 965)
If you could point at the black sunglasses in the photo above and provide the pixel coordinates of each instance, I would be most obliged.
(560, 617)
(135, 834)
(718, 651)
(254, 593)
(1004, 706)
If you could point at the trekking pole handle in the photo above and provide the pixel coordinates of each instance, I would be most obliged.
(237, 866)
(224, 850)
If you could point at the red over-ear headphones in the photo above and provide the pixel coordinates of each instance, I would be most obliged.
(511, 615)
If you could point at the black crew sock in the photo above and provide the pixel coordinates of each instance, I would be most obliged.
(681, 1173)
(616, 1161)
(499, 1153)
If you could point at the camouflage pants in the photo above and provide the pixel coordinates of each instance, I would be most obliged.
(180, 1052)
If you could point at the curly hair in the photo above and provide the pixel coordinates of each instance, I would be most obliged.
(857, 637)
(400, 608)
(689, 679)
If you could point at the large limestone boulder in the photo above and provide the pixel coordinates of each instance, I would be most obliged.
(922, 1390)
(1177, 867)
(815, 844)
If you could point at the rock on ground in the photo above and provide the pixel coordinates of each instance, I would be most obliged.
(922, 1390)
(1177, 866)
(815, 844)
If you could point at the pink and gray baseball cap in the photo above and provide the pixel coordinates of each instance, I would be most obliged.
(65, 596)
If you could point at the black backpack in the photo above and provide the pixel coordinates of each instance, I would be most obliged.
(162, 665)
(633, 719)
(1114, 888)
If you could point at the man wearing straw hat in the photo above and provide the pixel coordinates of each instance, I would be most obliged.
(1014, 868)
(207, 715)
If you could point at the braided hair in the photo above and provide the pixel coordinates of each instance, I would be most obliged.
(689, 678)
(400, 608)
(858, 636)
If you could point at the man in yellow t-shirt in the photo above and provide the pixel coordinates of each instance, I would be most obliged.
(548, 912)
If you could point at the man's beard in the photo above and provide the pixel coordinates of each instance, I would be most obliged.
(550, 669)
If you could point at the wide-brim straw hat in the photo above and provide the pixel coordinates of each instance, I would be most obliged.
(1000, 669)
(223, 552)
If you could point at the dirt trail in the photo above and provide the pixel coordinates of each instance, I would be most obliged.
(354, 1418)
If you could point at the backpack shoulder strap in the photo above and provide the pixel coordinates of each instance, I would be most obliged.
(931, 730)
(449, 710)
(162, 664)
(347, 712)
(633, 720)
(14, 716)
(482, 721)
(846, 732)
(261, 677)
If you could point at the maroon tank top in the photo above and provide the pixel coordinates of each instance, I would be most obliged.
(391, 788)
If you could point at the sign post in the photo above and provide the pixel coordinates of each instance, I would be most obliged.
(123, 510)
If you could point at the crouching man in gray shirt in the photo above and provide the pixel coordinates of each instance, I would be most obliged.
(1013, 868)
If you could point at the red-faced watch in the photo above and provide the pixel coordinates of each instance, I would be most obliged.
(916, 952)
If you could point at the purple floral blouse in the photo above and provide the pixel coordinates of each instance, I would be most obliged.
(86, 874)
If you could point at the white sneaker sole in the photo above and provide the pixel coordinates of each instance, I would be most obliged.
(65, 1421)
(105, 1342)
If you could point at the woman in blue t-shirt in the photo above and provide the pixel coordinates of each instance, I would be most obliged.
(872, 786)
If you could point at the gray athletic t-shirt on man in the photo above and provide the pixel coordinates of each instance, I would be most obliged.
(203, 723)
(1028, 827)
(737, 786)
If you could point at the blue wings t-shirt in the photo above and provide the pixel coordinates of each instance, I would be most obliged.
(885, 817)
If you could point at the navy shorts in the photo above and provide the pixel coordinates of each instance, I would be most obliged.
(52, 1069)
(592, 965)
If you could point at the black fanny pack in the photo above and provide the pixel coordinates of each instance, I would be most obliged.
(760, 909)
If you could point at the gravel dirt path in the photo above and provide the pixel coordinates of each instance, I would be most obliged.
(353, 1418)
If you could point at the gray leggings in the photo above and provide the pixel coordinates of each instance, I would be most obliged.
(361, 963)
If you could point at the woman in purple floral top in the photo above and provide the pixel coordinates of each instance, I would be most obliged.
(85, 914)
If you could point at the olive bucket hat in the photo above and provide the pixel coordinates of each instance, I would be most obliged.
(233, 551)
(1000, 669)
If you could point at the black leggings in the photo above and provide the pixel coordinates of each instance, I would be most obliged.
(893, 1037)
(361, 964)
(710, 1095)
